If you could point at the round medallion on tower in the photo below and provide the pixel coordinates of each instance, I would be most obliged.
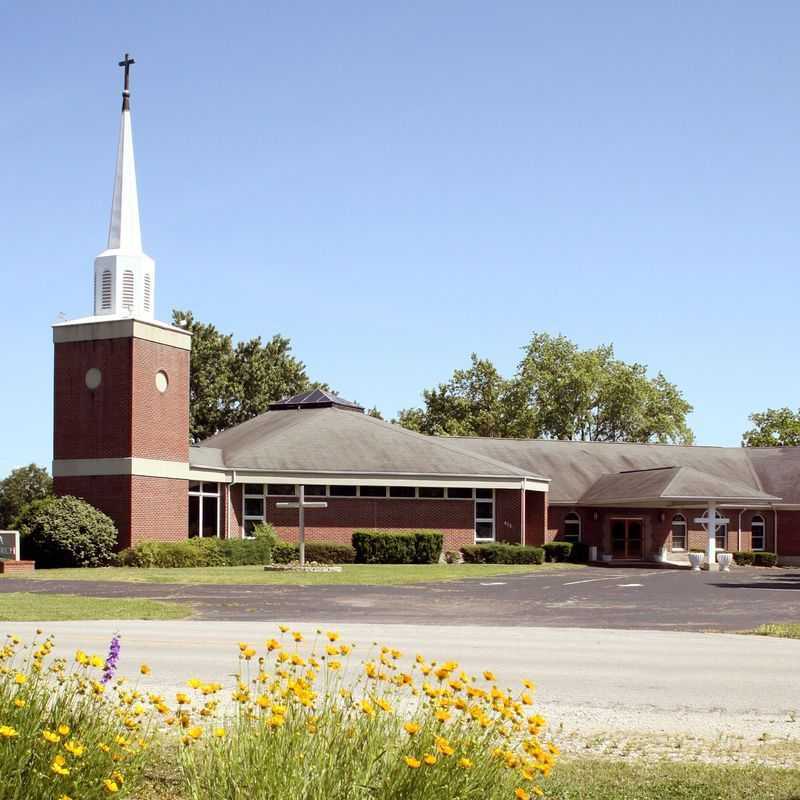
(93, 378)
(162, 381)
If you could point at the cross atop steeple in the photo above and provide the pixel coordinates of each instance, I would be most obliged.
(126, 91)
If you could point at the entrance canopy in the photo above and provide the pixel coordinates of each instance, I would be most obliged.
(666, 486)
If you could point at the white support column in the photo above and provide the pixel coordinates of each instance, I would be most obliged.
(711, 545)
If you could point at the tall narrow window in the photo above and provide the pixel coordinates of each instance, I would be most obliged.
(484, 515)
(127, 289)
(572, 527)
(757, 533)
(722, 536)
(679, 532)
(105, 290)
(148, 292)
(203, 509)
(253, 507)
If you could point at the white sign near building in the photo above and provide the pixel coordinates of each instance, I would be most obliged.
(9, 546)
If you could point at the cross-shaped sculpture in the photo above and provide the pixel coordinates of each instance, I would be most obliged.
(711, 520)
(126, 93)
(302, 505)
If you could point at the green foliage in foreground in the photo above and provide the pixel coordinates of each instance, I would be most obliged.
(22, 486)
(29, 606)
(499, 553)
(775, 427)
(786, 630)
(373, 574)
(599, 779)
(397, 547)
(211, 552)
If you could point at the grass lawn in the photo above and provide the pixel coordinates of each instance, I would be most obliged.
(31, 606)
(786, 630)
(377, 574)
(596, 779)
(600, 779)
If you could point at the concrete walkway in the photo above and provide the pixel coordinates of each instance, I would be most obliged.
(625, 683)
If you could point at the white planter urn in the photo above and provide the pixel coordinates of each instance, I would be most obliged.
(725, 560)
(696, 560)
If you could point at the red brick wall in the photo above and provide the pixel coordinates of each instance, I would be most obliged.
(507, 515)
(92, 424)
(789, 533)
(159, 509)
(536, 514)
(454, 518)
(142, 508)
(110, 493)
(160, 423)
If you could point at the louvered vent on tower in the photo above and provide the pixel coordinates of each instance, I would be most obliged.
(148, 292)
(105, 295)
(127, 289)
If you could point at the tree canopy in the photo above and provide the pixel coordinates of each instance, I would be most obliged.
(22, 486)
(775, 427)
(230, 383)
(558, 392)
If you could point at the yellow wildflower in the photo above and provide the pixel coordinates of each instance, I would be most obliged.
(411, 728)
(20, 679)
(63, 729)
(276, 721)
(521, 794)
(367, 708)
(464, 763)
(283, 628)
(334, 665)
(111, 786)
(196, 732)
(76, 748)
(429, 759)
(58, 765)
(219, 733)
(7, 732)
(51, 737)
(194, 683)
(384, 705)
(144, 669)
(19, 702)
(412, 762)
(273, 644)
(443, 746)
(332, 636)
(489, 676)
(297, 636)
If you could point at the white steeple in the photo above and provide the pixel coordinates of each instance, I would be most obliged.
(124, 277)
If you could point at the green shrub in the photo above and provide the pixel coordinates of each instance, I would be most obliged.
(66, 532)
(744, 558)
(557, 551)
(428, 546)
(397, 547)
(499, 553)
(579, 553)
(765, 559)
(200, 552)
(330, 553)
(284, 552)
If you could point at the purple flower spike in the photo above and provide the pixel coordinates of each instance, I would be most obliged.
(110, 667)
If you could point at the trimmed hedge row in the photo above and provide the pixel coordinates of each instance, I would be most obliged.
(557, 551)
(499, 553)
(199, 553)
(397, 547)
(755, 558)
(321, 552)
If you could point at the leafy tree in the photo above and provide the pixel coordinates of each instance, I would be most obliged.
(231, 383)
(559, 392)
(374, 412)
(22, 486)
(471, 403)
(775, 427)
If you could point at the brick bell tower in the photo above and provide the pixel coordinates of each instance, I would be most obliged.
(121, 384)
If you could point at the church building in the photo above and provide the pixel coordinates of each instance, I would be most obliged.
(121, 442)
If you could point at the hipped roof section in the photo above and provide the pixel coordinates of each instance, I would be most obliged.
(335, 440)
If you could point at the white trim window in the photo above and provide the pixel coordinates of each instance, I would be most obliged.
(758, 533)
(204, 510)
(678, 532)
(484, 515)
(253, 507)
(722, 536)
(572, 527)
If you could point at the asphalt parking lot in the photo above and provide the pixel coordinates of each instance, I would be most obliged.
(593, 597)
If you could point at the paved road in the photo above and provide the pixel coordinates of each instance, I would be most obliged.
(594, 597)
(588, 681)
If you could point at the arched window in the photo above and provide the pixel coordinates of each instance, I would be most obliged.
(679, 532)
(758, 533)
(572, 527)
(105, 290)
(127, 289)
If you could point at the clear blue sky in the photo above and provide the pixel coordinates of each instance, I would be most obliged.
(396, 185)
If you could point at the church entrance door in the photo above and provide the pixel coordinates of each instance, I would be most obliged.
(626, 538)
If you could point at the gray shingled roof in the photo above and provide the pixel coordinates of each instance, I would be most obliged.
(336, 440)
(667, 485)
(574, 467)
